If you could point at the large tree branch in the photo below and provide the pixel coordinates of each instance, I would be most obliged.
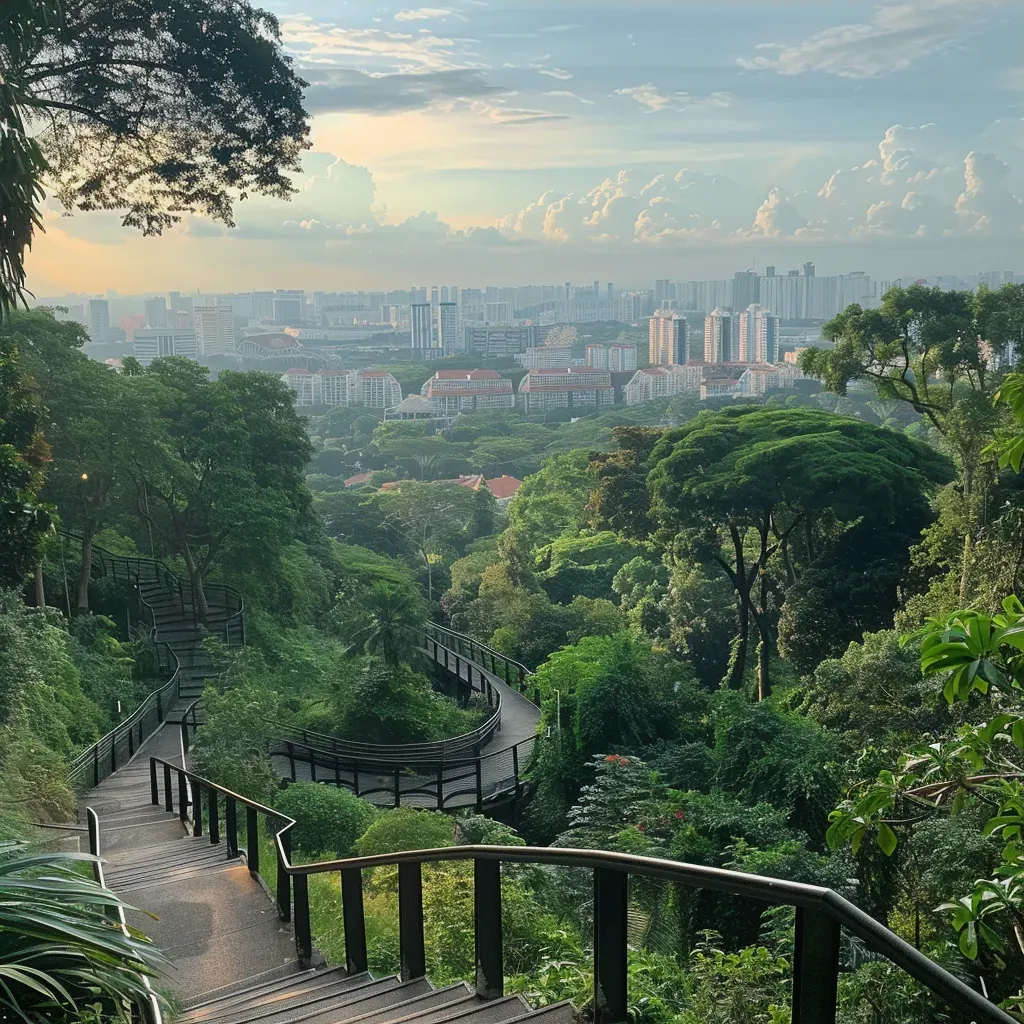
(47, 104)
(56, 70)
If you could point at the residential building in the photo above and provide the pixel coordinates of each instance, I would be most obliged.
(548, 357)
(759, 331)
(718, 387)
(495, 342)
(99, 320)
(215, 329)
(719, 338)
(375, 389)
(181, 312)
(669, 340)
(499, 312)
(597, 357)
(421, 323)
(503, 488)
(621, 358)
(576, 388)
(757, 379)
(746, 289)
(663, 382)
(455, 391)
(156, 312)
(447, 336)
(158, 343)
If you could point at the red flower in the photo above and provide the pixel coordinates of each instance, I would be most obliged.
(680, 815)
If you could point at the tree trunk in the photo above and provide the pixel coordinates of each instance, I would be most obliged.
(195, 578)
(764, 647)
(40, 586)
(430, 576)
(966, 560)
(84, 574)
(738, 662)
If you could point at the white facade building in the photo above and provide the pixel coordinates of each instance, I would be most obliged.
(448, 336)
(719, 337)
(663, 382)
(759, 332)
(375, 389)
(215, 329)
(455, 391)
(153, 344)
(548, 357)
(621, 358)
(566, 388)
(421, 324)
(757, 379)
(668, 340)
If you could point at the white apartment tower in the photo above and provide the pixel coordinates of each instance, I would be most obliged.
(448, 327)
(669, 340)
(215, 329)
(719, 338)
(758, 335)
(421, 322)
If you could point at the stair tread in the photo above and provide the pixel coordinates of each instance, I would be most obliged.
(302, 987)
(284, 974)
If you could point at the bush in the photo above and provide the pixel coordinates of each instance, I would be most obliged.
(405, 828)
(329, 819)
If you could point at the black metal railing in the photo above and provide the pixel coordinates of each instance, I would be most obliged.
(445, 784)
(113, 750)
(147, 1010)
(513, 673)
(821, 914)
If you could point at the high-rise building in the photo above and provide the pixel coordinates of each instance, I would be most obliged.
(664, 291)
(500, 341)
(759, 330)
(746, 289)
(769, 271)
(156, 312)
(548, 357)
(99, 319)
(421, 324)
(808, 270)
(288, 307)
(181, 312)
(719, 344)
(498, 312)
(158, 343)
(621, 358)
(597, 357)
(454, 391)
(610, 297)
(669, 340)
(574, 388)
(215, 329)
(447, 336)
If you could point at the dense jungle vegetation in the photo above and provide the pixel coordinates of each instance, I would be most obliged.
(784, 637)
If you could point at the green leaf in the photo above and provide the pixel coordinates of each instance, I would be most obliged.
(887, 839)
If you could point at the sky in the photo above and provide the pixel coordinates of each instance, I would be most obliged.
(533, 141)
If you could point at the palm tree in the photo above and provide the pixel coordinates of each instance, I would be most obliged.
(396, 619)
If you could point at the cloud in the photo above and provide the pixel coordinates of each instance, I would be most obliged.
(423, 14)
(650, 97)
(777, 216)
(566, 94)
(559, 28)
(987, 201)
(320, 44)
(562, 76)
(499, 114)
(898, 36)
(352, 90)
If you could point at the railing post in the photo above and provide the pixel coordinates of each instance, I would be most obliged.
(197, 809)
(95, 765)
(610, 923)
(214, 817)
(252, 840)
(291, 759)
(355, 925)
(398, 791)
(490, 977)
(182, 796)
(479, 787)
(113, 752)
(231, 827)
(184, 733)
(506, 672)
(303, 938)
(815, 967)
(440, 789)
(168, 796)
(131, 743)
(515, 767)
(284, 893)
(355, 781)
(154, 792)
(312, 764)
(410, 922)
(522, 679)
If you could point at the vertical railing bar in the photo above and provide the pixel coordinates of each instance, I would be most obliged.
(410, 921)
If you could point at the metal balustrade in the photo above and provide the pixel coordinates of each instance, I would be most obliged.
(821, 913)
(113, 750)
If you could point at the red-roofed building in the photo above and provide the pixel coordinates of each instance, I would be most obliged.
(455, 391)
(358, 480)
(574, 387)
(502, 487)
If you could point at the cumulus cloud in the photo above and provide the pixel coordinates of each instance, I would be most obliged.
(897, 36)
(987, 203)
(646, 95)
(777, 216)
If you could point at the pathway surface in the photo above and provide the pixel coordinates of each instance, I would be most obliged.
(214, 921)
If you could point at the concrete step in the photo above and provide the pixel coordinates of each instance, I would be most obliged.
(283, 975)
(452, 996)
(475, 1011)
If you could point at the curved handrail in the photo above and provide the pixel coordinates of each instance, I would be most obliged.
(151, 1009)
(821, 912)
(101, 758)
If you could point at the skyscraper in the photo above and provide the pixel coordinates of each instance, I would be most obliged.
(669, 340)
(99, 319)
(758, 335)
(718, 338)
(421, 325)
(746, 289)
(447, 337)
(156, 312)
(611, 292)
(215, 329)
(288, 307)
(808, 270)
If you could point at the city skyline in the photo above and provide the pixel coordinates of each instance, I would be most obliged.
(480, 138)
